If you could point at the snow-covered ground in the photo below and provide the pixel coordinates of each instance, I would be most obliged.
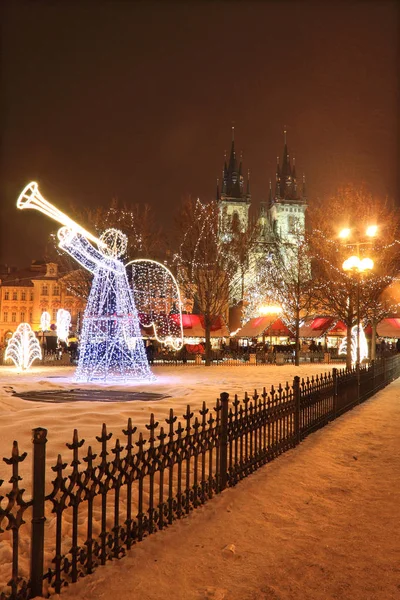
(322, 522)
(185, 385)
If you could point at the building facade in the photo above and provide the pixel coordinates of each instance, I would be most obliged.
(27, 293)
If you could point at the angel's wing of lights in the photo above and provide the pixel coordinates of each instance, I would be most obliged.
(158, 300)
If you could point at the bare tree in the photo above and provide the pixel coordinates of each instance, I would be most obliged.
(205, 266)
(351, 295)
(290, 281)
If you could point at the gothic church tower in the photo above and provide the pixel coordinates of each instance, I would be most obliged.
(287, 207)
(233, 200)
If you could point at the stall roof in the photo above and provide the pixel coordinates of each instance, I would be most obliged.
(193, 326)
(389, 328)
(316, 327)
(338, 330)
(263, 325)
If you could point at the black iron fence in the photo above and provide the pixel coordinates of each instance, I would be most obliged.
(98, 505)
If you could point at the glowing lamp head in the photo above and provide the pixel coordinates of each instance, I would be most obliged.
(351, 263)
(115, 243)
(372, 230)
(344, 233)
(366, 264)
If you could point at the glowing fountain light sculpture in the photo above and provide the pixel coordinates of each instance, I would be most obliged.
(45, 321)
(363, 344)
(23, 347)
(63, 324)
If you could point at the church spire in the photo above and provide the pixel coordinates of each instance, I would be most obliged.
(248, 183)
(270, 199)
(232, 185)
(277, 179)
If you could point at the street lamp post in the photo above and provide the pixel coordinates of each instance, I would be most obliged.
(359, 266)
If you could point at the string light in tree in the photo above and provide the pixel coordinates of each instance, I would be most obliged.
(23, 347)
(363, 344)
(63, 324)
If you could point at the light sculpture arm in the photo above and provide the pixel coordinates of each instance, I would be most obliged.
(82, 250)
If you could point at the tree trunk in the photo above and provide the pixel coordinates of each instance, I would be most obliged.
(297, 339)
(373, 340)
(207, 327)
(348, 353)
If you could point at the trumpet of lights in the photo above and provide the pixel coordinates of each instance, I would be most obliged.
(30, 197)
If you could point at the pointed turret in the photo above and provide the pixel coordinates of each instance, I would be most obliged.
(233, 196)
(248, 183)
(277, 179)
(270, 198)
(286, 171)
(232, 184)
(294, 179)
(303, 190)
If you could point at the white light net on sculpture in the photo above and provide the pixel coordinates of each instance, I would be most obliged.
(45, 321)
(363, 344)
(111, 346)
(158, 301)
(23, 348)
(63, 324)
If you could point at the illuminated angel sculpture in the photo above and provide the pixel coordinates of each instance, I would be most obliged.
(111, 345)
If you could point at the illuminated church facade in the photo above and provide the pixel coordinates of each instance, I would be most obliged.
(280, 219)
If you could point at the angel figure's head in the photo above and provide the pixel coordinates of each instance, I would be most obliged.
(115, 243)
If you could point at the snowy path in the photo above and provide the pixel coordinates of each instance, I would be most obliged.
(322, 522)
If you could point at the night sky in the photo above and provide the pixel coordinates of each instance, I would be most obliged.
(137, 100)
